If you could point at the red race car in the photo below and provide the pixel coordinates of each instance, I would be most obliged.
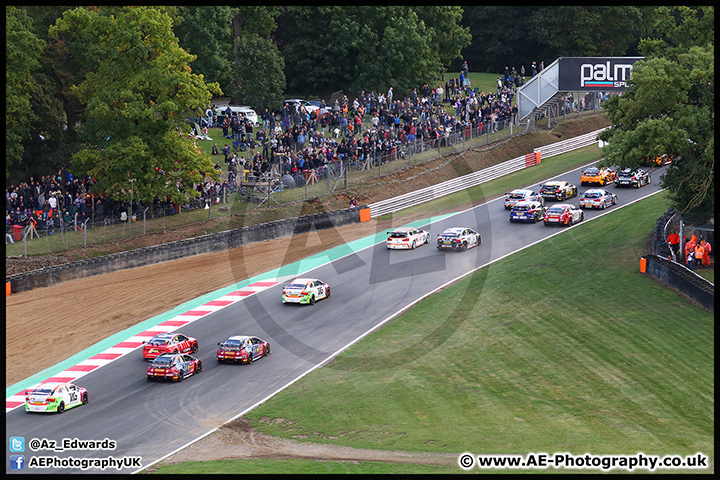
(169, 343)
(173, 366)
(242, 348)
(563, 214)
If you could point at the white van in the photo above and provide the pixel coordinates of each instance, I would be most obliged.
(239, 110)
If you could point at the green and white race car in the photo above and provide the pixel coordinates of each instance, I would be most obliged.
(55, 397)
(305, 290)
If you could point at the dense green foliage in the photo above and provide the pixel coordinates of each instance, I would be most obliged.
(670, 109)
(519, 34)
(206, 32)
(135, 89)
(369, 48)
(22, 52)
(259, 72)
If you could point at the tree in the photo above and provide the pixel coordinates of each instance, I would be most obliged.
(53, 137)
(22, 52)
(260, 79)
(448, 36)
(669, 108)
(367, 47)
(207, 33)
(316, 44)
(576, 30)
(516, 35)
(136, 90)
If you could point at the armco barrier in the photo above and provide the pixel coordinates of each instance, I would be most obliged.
(681, 279)
(183, 248)
(565, 146)
(433, 192)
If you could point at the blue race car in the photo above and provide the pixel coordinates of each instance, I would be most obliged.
(527, 211)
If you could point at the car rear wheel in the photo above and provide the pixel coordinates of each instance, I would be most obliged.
(412, 247)
(570, 222)
(181, 376)
(61, 407)
(249, 358)
(85, 399)
(464, 246)
(312, 300)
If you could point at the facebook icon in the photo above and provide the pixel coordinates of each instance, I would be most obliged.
(17, 462)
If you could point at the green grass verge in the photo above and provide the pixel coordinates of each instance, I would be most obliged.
(707, 273)
(563, 347)
(296, 466)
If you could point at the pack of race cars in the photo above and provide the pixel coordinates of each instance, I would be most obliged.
(171, 364)
(170, 356)
(529, 206)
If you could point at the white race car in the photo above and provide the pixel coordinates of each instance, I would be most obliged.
(305, 290)
(458, 238)
(520, 195)
(55, 397)
(407, 238)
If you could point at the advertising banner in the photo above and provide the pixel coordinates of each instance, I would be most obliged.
(606, 74)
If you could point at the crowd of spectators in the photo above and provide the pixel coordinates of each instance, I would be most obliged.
(46, 202)
(373, 128)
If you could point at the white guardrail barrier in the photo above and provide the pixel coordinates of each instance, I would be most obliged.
(433, 192)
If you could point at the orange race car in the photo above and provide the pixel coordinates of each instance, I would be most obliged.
(659, 161)
(597, 176)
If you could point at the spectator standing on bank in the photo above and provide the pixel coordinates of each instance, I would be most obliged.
(690, 259)
(344, 124)
(265, 120)
(241, 130)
